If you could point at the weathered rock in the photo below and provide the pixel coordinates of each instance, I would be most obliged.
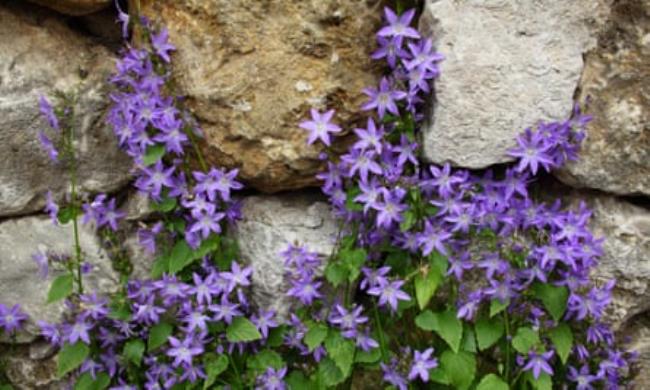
(19, 277)
(638, 333)
(38, 55)
(27, 374)
(615, 156)
(270, 224)
(508, 65)
(252, 69)
(74, 7)
(626, 229)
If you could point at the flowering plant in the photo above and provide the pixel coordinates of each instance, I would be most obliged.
(446, 278)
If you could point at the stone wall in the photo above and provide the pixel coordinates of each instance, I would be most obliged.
(251, 70)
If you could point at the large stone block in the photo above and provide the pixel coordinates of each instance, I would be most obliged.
(39, 54)
(252, 69)
(270, 224)
(615, 155)
(508, 64)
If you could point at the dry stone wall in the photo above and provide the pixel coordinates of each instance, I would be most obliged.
(251, 70)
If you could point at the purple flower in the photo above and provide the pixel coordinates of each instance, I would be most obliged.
(433, 238)
(365, 342)
(122, 18)
(48, 112)
(205, 289)
(390, 210)
(391, 49)
(161, 44)
(237, 277)
(225, 311)
(320, 126)
(532, 152)
(78, 331)
(183, 351)
(51, 208)
(93, 306)
(582, 378)
(272, 379)
(374, 277)
(383, 99)
(362, 162)
(147, 312)
(41, 260)
(305, 290)
(49, 147)
(369, 138)
(390, 293)
(206, 222)
(392, 376)
(51, 333)
(110, 216)
(398, 26)
(422, 363)
(216, 181)
(264, 322)
(11, 320)
(538, 363)
(154, 179)
(348, 320)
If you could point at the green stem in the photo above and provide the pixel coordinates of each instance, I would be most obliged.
(506, 320)
(236, 370)
(195, 146)
(382, 341)
(75, 222)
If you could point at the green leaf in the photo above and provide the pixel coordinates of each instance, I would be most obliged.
(439, 375)
(86, 382)
(241, 329)
(315, 335)
(67, 214)
(554, 298)
(524, 340)
(449, 328)
(70, 357)
(336, 273)
(426, 320)
(409, 220)
(353, 259)
(496, 306)
(276, 336)
(166, 205)
(158, 335)
(214, 366)
(61, 288)
(153, 154)
(459, 367)
(426, 286)
(492, 382)
(369, 357)
(329, 374)
(562, 338)
(263, 360)
(133, 351)
(488, 332)
(469, 340)
(180, 257)
(297, 381)
(544, 382)
(350, 203)
(341, 351)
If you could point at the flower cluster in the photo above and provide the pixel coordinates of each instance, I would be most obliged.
(515, 270)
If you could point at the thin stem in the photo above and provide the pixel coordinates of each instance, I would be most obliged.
(234, 367)
(199, 155)
(73, 195)
(382, 341)
(507, 325)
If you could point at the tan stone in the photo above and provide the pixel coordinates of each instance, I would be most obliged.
(252, 69)
(615, 155)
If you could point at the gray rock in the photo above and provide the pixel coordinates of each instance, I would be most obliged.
(38, 55)
(19, 278)
(270, 224)
(615, 156)
(25, 373)
(508, 65)
(626, 229)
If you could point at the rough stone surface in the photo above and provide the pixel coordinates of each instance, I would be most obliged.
(615, 155)
(19, 278)
(74, 7)
(38, 55)
(508, 65)
(28, 374)
(252, 70)
(626, 229)
(638, 331)
(270, 224)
